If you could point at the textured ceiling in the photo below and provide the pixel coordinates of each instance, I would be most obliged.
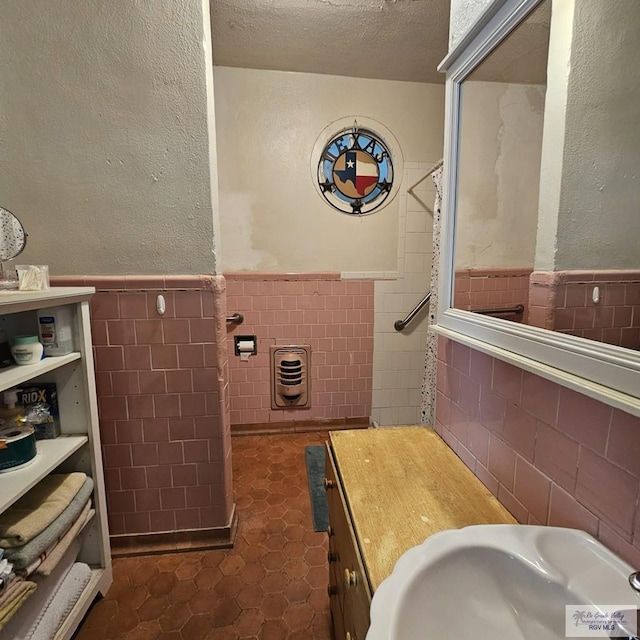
(522, 57)
(385, 39)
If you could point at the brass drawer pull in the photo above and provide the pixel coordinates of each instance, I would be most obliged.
(350, 578)
(330, 531)
(328, 484)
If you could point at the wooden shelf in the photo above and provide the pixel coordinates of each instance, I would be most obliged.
(17, 374)
(14, 484)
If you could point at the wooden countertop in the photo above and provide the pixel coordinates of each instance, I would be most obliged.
(402, 485)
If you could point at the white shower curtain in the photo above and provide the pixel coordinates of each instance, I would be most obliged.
(427, 409)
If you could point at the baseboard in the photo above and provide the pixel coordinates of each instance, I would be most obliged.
(299, 426)
(173, 541)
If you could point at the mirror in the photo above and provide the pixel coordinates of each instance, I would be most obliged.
(541, 190)
(560, 253)
(13, 240)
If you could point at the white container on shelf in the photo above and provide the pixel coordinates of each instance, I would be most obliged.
(55, 327)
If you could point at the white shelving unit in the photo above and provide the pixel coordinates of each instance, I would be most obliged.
(78, 448)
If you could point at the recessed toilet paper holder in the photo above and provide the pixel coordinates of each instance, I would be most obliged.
(245, 345)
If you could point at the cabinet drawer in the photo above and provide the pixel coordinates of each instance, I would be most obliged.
(347, 575)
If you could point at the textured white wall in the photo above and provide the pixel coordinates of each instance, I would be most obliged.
(463, 14)
(599, 223)
(103, 125)
(272, 217)
(500, 143)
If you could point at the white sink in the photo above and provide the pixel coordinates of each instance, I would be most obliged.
(497, 581)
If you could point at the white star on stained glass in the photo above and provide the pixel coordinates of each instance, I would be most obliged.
(350, 164)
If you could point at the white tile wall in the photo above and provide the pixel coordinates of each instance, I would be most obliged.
(399, 358)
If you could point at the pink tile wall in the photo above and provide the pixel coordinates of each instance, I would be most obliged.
(333, 316)
(165, 434)
(492, 289)
(551, 455)
(562, 301)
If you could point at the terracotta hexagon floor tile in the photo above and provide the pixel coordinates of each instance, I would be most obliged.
(253, 572)
(296, 568)
(101, 613)
(275, 525)
(273, 605)
(274, 582)
(141, 575)
(298, 616)
(174, 617)
(182, 591)
(275, 542)
(316, 557)
(123, 623)
(188, 569)
(208, 578)
(228, 587)
(169, 562)
(250, 596)
(224, 612)
(270, 586)
(197, 627)
(318, 600)
(295, 549)
(202, 601)
(213, 558)
(152, 608)
(249, 622)
(253, 553)
(294, 532)
(161, 584)
(274, 560)
(274, 630)
(318, 577)
(294, 516)
(297, 591)
(145, 631)
(313, 539)
(231, 565)
(260, 506)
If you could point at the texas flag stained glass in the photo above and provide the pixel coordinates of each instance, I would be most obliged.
(355, 173)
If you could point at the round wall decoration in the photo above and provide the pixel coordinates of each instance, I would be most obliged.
(355, 172)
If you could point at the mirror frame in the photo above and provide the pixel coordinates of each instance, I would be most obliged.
(606, 372)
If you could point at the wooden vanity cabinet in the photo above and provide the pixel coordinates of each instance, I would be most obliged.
(388, 490)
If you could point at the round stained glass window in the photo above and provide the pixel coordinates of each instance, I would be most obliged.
(355, 171)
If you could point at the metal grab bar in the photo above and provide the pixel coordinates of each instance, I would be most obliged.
(519, 308)
(235, 318)
(399, 325)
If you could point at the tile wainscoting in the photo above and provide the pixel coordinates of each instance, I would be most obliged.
(550, 455)
(163, 411)
(333, 316)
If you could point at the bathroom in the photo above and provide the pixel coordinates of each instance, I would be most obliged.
(151, 163)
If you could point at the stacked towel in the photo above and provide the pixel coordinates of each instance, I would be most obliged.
(56, 553)
(23, 556)
(63, 601)
(38, 508)
(23, 626)
(13, 597)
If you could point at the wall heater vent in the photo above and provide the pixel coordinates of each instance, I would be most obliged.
(290, 384)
